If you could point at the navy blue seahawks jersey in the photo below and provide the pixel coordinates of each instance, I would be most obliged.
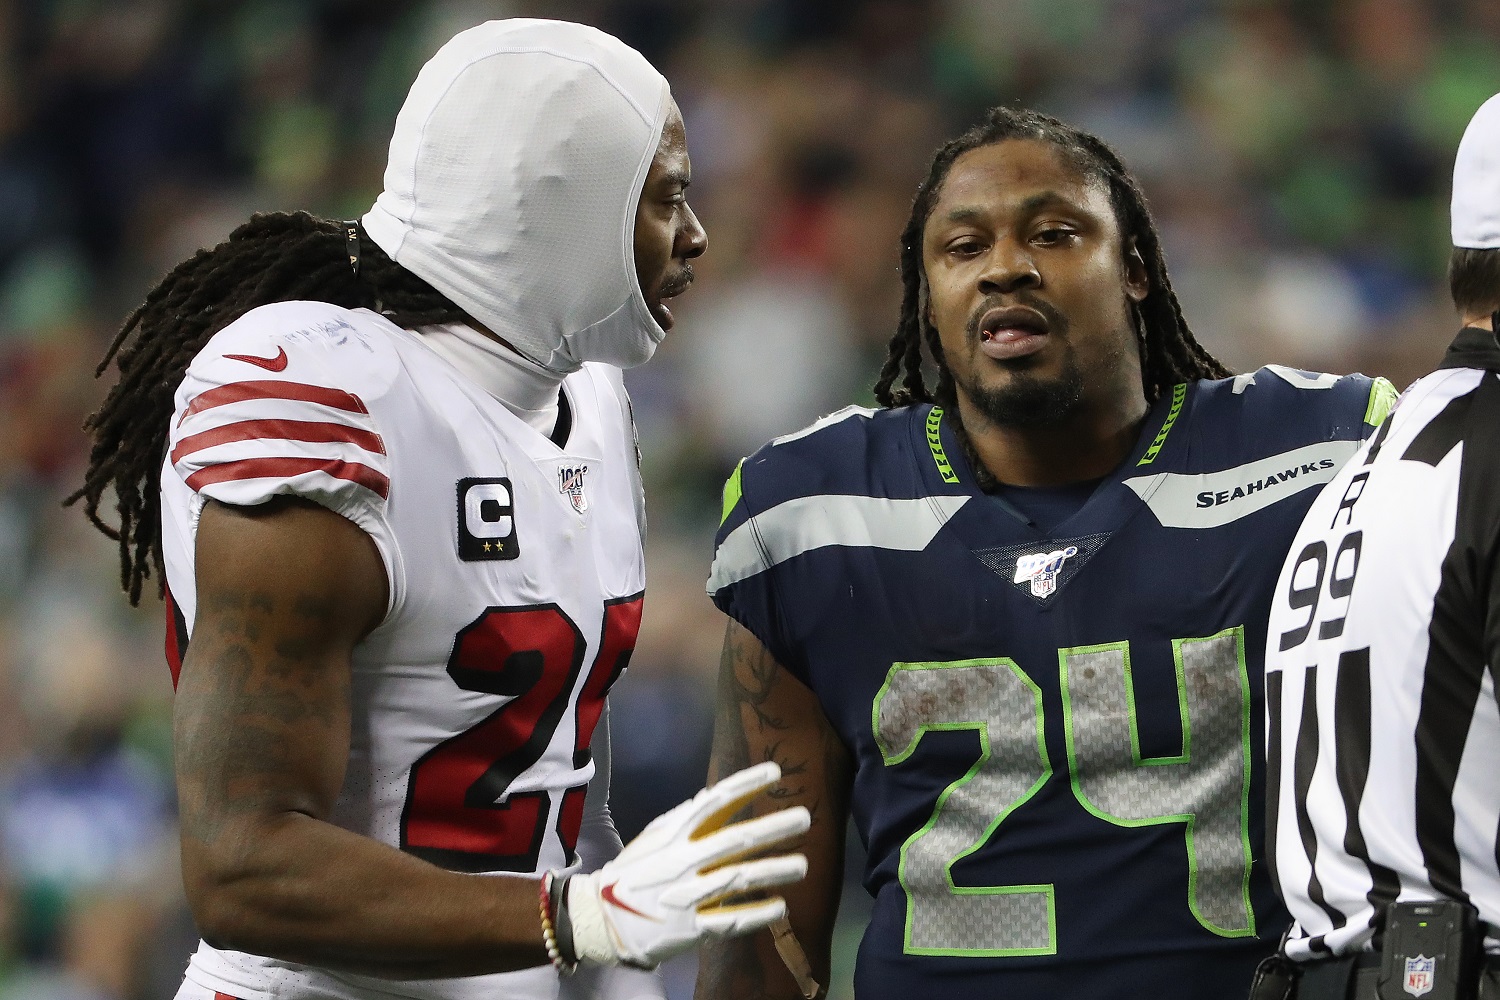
(1057, 735)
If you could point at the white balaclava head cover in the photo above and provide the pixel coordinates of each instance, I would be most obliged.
(514, 173)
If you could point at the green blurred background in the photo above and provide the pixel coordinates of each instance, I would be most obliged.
(1296, 154)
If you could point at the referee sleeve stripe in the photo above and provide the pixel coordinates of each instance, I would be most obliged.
(1454, 671)
(1303, 765)
(1450, 690)
(1273, 772)
(1351, 727)
(1442, 433)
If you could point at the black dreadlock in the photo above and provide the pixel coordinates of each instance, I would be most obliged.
(275, 257)
(1169, 353)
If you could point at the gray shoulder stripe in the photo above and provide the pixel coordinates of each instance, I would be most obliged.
(1212, 499)
(838, 416)
(1292, 377)
(806, 523)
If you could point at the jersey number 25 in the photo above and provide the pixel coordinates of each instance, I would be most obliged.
(458, 814)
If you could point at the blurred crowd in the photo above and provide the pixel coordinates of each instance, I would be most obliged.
(1296, 154)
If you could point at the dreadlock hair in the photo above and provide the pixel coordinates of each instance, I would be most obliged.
(1169, 352)
(275, 257)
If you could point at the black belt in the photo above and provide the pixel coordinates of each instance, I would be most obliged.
(1357, 977)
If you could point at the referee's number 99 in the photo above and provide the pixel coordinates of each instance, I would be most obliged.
(1306, 587)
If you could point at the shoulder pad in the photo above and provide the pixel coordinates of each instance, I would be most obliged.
(832, 419)
(313, 342)
(280, 401)
(1294, 377)
(846, 453)
(1278, 386)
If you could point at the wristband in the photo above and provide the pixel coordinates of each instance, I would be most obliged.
(562, 922)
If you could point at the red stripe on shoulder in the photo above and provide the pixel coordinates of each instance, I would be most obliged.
(280, 430)
(238, 392)
(282, 468)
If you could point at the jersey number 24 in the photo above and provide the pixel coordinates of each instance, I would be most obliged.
(1206, 788)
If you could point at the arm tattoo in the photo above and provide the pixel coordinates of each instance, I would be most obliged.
(731, 749)
(747, 677)
(241, 708)
(815, 768)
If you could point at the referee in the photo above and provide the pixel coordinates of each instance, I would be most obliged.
(1383, 732)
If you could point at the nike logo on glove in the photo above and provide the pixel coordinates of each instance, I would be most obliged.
(276, 364)
(608, 895)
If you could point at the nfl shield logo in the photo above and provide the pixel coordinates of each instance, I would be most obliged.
(1419, 973)
(1042, 569)
(570, 482)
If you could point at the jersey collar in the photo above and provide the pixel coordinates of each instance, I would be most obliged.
(1473, 348)
(946, 468)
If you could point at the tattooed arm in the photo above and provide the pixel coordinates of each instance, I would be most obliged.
(261, 740)
(764, 713)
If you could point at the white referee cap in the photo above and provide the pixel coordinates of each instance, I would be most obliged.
(1476, 181)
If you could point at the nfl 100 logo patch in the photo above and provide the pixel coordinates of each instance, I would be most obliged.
(1041, 569)
(1042, 575)
(570, 484)
(1420, 972)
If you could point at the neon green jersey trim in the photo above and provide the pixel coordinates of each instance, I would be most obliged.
(1179, 393)
(1382, 399)
(733, 490)
(935, 442)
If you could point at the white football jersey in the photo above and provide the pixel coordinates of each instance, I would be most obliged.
(504, 553)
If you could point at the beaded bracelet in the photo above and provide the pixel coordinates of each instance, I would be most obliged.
(549, 936)
(562, 924)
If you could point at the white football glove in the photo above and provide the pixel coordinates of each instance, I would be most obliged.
(658, 896)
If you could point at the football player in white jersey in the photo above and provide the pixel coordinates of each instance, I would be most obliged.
(386, 471)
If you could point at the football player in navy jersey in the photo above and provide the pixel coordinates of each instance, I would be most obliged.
(1012, 623)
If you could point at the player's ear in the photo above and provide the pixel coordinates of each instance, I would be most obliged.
(1137, 280)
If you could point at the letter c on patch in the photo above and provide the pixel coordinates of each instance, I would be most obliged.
(488, 509)
(486, 520)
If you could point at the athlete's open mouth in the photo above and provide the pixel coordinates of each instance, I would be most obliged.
(1012, 332)
(1020, 319)
(659, 310)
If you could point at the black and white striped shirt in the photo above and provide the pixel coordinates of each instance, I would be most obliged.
(1383, 731)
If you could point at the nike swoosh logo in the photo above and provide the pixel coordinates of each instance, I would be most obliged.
(608, 895)
(275, 364)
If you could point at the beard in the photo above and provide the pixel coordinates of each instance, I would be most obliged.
(1027, 400)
